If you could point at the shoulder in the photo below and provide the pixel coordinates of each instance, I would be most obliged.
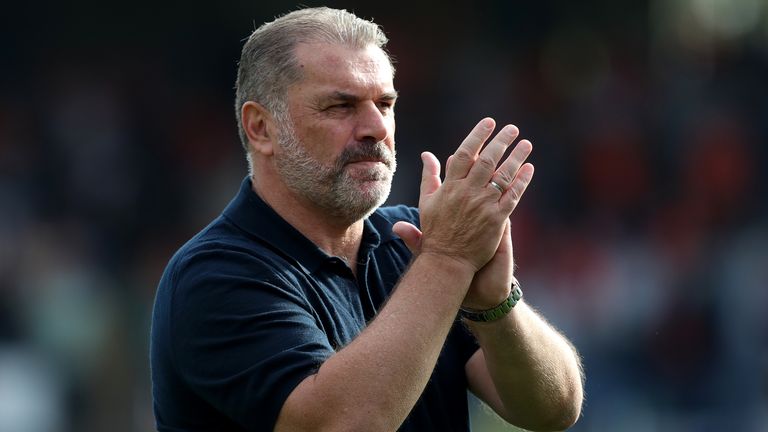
(224, 240)
(223, 257)
(219, 246)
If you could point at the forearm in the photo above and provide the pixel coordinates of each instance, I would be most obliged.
(374, 382)
(536, 372)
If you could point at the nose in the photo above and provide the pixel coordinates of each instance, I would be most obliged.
(372, 123)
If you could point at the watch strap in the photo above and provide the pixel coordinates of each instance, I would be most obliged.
(497, 312)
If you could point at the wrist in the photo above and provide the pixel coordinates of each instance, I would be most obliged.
(486, 301)
(449, 263)
(496, 312)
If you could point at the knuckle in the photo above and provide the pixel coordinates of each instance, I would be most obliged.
(462, 155)
(505, 178)
(486, 162)
(514, 195)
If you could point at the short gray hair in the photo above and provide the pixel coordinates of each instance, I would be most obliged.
(268, 62)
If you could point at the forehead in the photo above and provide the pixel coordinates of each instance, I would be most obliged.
(338, 68)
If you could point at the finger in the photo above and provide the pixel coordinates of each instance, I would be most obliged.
(512, 196)
(410, 235)
(485, 165)
(508, 170)
(505, 246)
(506, 238)
(464, 157)
(430, 174)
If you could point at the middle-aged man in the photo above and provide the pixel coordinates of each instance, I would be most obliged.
(306, 307)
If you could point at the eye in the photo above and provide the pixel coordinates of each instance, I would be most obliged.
(340, 106)
(386, 105)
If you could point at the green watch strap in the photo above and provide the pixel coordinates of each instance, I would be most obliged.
(497, 312)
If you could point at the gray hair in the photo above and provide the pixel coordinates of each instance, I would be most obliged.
(268, 63)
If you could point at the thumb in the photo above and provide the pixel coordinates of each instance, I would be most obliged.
(410, 235)
(430, 174)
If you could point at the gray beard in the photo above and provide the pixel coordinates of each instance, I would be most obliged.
(332, 188)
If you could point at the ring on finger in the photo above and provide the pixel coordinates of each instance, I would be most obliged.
(496, 186)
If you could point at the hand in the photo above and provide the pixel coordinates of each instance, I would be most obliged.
(465, 217)
(493, 283)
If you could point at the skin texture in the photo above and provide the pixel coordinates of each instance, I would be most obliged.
(335, 187)
(525, 370)
(327, 125)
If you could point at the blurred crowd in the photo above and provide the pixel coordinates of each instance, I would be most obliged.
(644, 236)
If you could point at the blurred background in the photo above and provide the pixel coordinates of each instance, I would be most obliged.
(644, 236)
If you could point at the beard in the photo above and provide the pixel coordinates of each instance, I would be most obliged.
(347, 193)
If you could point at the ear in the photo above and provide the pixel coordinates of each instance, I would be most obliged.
(259, 126)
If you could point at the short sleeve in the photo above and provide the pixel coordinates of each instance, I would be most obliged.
(243, 335)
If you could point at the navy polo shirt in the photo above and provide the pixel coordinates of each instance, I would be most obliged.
(249, 307)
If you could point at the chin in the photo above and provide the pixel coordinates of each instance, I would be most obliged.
(362, 202)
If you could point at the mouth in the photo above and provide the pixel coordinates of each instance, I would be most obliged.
(367, 162)
(369, 170)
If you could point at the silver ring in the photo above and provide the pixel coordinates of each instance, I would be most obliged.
(497, 186)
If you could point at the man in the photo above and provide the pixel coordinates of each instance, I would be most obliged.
(305, 307)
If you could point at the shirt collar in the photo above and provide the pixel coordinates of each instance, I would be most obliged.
(251, 214)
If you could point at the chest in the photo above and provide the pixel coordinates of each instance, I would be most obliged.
(342, 302)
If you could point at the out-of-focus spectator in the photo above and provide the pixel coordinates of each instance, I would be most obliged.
(644, 234)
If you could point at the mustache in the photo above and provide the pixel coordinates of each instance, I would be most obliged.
(378, 152)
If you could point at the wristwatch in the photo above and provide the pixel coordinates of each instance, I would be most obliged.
(497, 312)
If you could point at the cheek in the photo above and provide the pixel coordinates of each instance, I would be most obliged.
(325, 143)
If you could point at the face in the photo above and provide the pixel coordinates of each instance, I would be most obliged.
(336, 146)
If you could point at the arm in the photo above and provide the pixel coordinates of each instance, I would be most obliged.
(374, 382)
(525, 370)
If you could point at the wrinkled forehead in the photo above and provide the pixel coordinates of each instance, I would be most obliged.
(324, 63)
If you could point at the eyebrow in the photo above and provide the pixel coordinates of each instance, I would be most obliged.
(348, 97)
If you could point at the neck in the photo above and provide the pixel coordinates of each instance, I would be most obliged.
(334, 237)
